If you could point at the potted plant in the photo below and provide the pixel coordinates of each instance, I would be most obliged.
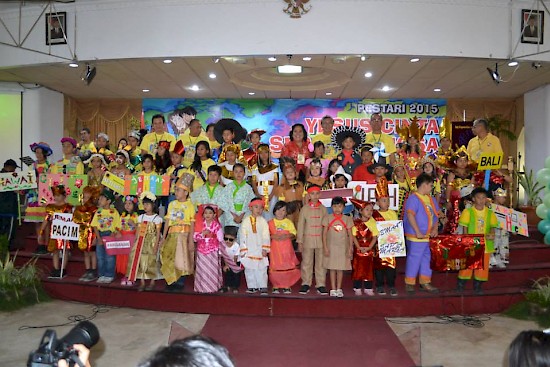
(500, 126)
(19, 286)
(532, 189)
(538, 297)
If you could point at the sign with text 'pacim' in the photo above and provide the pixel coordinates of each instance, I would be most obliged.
(63, 227)
(489, 161)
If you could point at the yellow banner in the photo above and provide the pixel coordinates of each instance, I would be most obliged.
(489, 161)
(113, 182)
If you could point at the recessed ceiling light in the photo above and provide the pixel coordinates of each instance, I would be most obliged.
(145, 90)
(415, 59)
(437, 89)
(251, 93)
(289, 69)
(306, 58)
(368, 74)
(216, 60)
(328, 93)
(363, 57)
(212, 76)
(386, 88)
(513, 63)
(73, 64)
(194, 88)
(272, 58)
(167, 61)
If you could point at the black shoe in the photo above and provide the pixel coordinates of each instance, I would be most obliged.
(460, 284)
(171, 288)
(304, 289)
(477, 288)
(224, 290)
(381, 291)
(251, 290)
(264, 292)
(55, 273)
(40, 250)
(393, 292)
(322, 291)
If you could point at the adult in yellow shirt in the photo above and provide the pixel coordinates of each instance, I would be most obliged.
(71, 163)
(150, 141)
(484, 142)
(86, 145)
(327, 125)
(190, 138)
(214, 144)
(384, 143)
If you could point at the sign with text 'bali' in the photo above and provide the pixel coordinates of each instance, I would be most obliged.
(12, 181)
(276, 116)
(489, 161)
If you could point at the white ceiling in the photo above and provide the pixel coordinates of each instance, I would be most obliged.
(343, 76)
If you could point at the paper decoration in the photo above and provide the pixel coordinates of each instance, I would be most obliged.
(136, 184)
(113, 182)
(63, 227)
(11, 181)
(511, 220)
(367, 192)
(391, 239)
(457, 252)
(74, 184)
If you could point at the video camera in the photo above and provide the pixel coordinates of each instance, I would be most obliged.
(51, 350)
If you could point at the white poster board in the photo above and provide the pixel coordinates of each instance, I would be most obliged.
(391, 239)
(63, 227)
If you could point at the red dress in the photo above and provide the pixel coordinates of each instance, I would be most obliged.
(283, 263)
(298, 154)
(363, 263)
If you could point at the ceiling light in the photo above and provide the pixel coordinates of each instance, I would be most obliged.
(216, 60)
(306, 58)
(167, 61)
(494, 74)
(415, 59)
(328, 93)
(194, 88)
(73, 64)
(368, 74)
(289, 69)
(437, 89)
(272, 58)
(145, 90)
(251, 93)
(386, 88)
(513, 63)
(363, 57)
(212, 76)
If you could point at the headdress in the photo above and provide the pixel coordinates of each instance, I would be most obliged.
(463, 153)
(232, 148)
(499, 192)
(147, 195)
(360, 204)
(382, 190)
(131, 198)
(93, 190)
(224, 124)
(69, 140)
(103, 135)
(413, 130)
(44, 146)
(378, 164)
(96, 155)
(263, 148)
(341, 132)
(313, 188)
(125, 154)
(134, 134)
(59, 190)
(466, 190)
(165, 144)
(427, 159)
(260, 132)
(108, 194)
(179, 148)
(340, 171)
(185, 182)
(256, 201)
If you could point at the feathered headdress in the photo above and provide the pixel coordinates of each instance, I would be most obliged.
(413, 130)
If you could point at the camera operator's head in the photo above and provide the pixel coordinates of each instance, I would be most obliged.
(194, 351)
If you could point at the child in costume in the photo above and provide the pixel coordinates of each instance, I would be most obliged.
(162, 157)
(499, 258)
(251, 153)
(316, 177)
(128, 225)
(255, 245)
(412, 152)
(332, 167)
(318, 154)
(362, 173)
(71, 163)
(178, 249)
(420, 223)
(121, 164)
(209, 237)
(106, 222)
(55, 246)
(365, 235)
(232, 152)
(265, 177)
(177, 168)
(401, 178)
(228, 132)
(283, 271)
(211, 191)
(349, 140)
(97, 170)
(83, 215)
(459, 177)
(291, 191)
(428, 167)
(310, 244)
(235, 198)
(340, 180)
(142, 262)
(134, 139)
(35, 212)
(202, 161)
(384, 268)
(229, 252)
(478, 219)
(337, 245)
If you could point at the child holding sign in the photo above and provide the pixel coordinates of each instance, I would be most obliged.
(83, 215)
(54, 246)
(499, 258)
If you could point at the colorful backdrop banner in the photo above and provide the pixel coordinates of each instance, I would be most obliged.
(276, 116)
(11, 181)
(74, 184)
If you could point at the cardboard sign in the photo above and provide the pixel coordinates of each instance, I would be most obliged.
(391, 239)
(118, 246)
(63, 227)
(74, 184)
(489, 161)
(136, 184)
(113, 182)
(11, 181)
(511, 220)
(367, 192)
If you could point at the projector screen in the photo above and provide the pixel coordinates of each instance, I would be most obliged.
(10, 126)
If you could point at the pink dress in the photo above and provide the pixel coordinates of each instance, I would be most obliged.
(208, 271)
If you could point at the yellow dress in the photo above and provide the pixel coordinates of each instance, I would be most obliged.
(142, 262)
